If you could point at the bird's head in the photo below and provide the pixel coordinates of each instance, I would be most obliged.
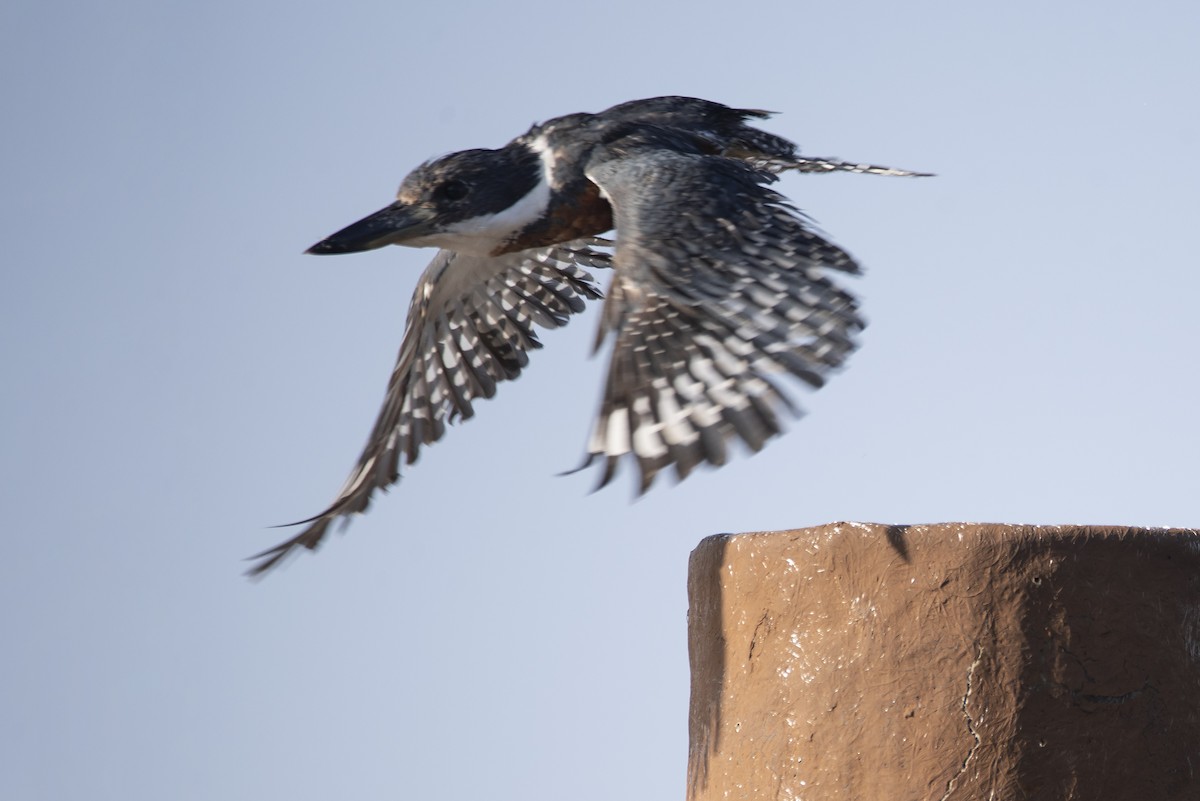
(471, 202)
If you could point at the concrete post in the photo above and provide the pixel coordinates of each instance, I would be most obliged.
(948, 662)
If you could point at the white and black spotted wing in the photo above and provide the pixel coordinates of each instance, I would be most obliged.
(720, 285)
(470, 326)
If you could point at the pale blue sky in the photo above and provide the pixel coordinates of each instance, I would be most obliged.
(177, 376)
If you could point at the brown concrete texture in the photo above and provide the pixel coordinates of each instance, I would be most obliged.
(946, 662)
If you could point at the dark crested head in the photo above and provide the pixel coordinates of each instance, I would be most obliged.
(472, 182)
(466, 201)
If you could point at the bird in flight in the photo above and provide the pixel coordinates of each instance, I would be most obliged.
(719, 286)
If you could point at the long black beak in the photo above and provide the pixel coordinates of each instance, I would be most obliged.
(394, 225)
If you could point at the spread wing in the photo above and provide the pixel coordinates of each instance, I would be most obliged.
(470, 326)
(720, 286)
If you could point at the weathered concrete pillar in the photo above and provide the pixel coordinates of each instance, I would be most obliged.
(946, 662)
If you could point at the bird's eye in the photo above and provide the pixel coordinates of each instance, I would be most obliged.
(453, 190)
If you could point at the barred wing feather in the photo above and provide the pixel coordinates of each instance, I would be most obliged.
(720, 286)
(470, 326)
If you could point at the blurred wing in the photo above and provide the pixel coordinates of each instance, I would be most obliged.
(470, 326)
(724, 127)
(818, 164)
(720, 284)
(728, 129)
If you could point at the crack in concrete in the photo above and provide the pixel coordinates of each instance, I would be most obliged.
(953, 782)
(765, 620)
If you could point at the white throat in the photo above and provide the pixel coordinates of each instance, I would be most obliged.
(482, 235)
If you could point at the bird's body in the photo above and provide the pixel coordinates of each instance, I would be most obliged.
(719, 283)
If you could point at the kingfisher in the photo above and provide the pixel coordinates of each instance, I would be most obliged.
(720, 285)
